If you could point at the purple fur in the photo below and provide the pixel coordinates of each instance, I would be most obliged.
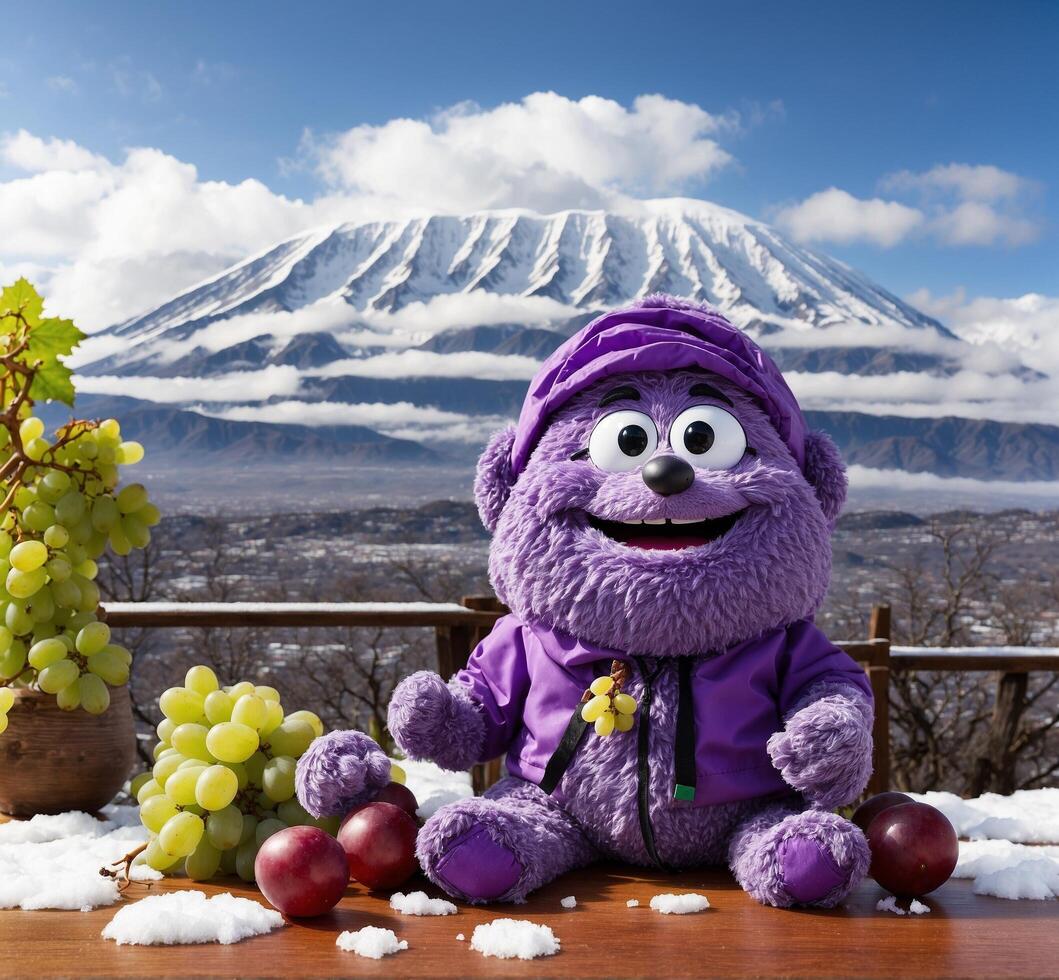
(430, 719)
(758, 846)
(338, 771)
(824, 751)
(528, 823)
(492, 481)
(824, 470)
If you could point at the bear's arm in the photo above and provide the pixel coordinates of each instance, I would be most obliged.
(476, 715)
(824, 750)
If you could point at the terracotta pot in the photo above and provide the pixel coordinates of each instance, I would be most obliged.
(53, 760)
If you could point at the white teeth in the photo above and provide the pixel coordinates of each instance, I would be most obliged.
(657, 520)
(632, 522)
(686, 520)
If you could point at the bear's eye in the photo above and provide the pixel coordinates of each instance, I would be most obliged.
(708, 437)
(622, 441)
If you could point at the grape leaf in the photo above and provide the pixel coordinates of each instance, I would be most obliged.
(53, 382)
(19, 296)
(48, 341)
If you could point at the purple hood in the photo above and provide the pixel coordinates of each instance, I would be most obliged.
(660, 334)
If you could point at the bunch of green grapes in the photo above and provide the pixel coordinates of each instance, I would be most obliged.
(223, 778)
(61, 515)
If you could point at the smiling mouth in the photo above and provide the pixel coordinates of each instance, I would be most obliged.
(668, 535)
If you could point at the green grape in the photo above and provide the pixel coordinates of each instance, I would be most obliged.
(181, 705)
(36, 448)
(58, 675)
(155, 857)
(232, 742)
(55, 482)
(266, 693)
(293, 814)
(151, 788)
(309, 718)
(218, 707)
(181, 834)
(165, 729)
(202, 680)
(13, 660)
(157, 811)
(70, 508)
(119, 541)
(92, 638)
(6, 541)
(46, 652)
(119, 651)
(110, 667)
(244, 860)
(190, 740)
(136, 532)
(95, 698)
(7, 700)
(278, 778)
(180, 786)
(42, 608)
(69, 698)
(329, 824)
(88, 569)
(109, 431)
(27, 556)
(160, 750)
(30, 429)
(255, 767)
(137, 782)
(104, 513)
(132, 498)
(129, 453)
(273, 719)
(249, 828)
(17, 619)
(228, 862)
(66, 593)
(6, 639)
(89, 593)
(224, 827)
(79, 620)
(38, 516)
(149, 514)
(22, 585)
(291, 738)
(204, 862)
(216, 788)
(56, 536)
(266, 828)
(236, 691)
(3, 724)
(241, 778)
(166, 766)
(251, 711)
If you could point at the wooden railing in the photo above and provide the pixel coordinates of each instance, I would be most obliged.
(459, 627)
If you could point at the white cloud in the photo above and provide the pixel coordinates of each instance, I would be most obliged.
(866, 482)
(270, 382)
(423, 363)
(970, 182)
(24, 151)
(975, 223)
(63, 83)
(546, 152)
(836, 215)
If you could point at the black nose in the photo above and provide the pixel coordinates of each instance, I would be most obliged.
(667, 475)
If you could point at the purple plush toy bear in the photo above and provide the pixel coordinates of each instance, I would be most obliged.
(660, 515)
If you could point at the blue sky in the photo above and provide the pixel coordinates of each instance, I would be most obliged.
(827, 96)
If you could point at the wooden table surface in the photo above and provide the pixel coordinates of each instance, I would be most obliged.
(964, 935)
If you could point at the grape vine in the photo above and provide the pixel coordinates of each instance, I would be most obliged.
(60, 510)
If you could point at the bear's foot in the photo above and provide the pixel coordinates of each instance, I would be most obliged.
(810, 858)
(501, 847)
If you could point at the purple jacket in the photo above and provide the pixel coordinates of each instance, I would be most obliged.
(528, 681)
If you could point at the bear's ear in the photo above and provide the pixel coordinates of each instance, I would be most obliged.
(826, 472)
(493, 479)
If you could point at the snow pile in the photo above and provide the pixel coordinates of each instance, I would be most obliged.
(1009, 870)
(372, 942)
(1028, 816)
(633, 903)
(53, 861)
(670, 904)
(433, 786)
(514, 938)
(570, 902)
(889, 904)
(190, 917)
(417, 903)
(460, 937)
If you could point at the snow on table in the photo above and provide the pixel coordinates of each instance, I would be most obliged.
(1028, 816)
(433, 786)
(418, 903)
(670, 904)
(372, 942)
(889, 904)
(53, 861)
(1009, 870)
(508, 939)
(185, 917)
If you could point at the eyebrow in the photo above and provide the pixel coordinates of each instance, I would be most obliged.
(708, 391)
(620, 393)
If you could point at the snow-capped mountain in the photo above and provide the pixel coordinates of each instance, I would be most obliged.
(427, 329)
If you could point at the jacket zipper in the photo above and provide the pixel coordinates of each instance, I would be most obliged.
(643, 777)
